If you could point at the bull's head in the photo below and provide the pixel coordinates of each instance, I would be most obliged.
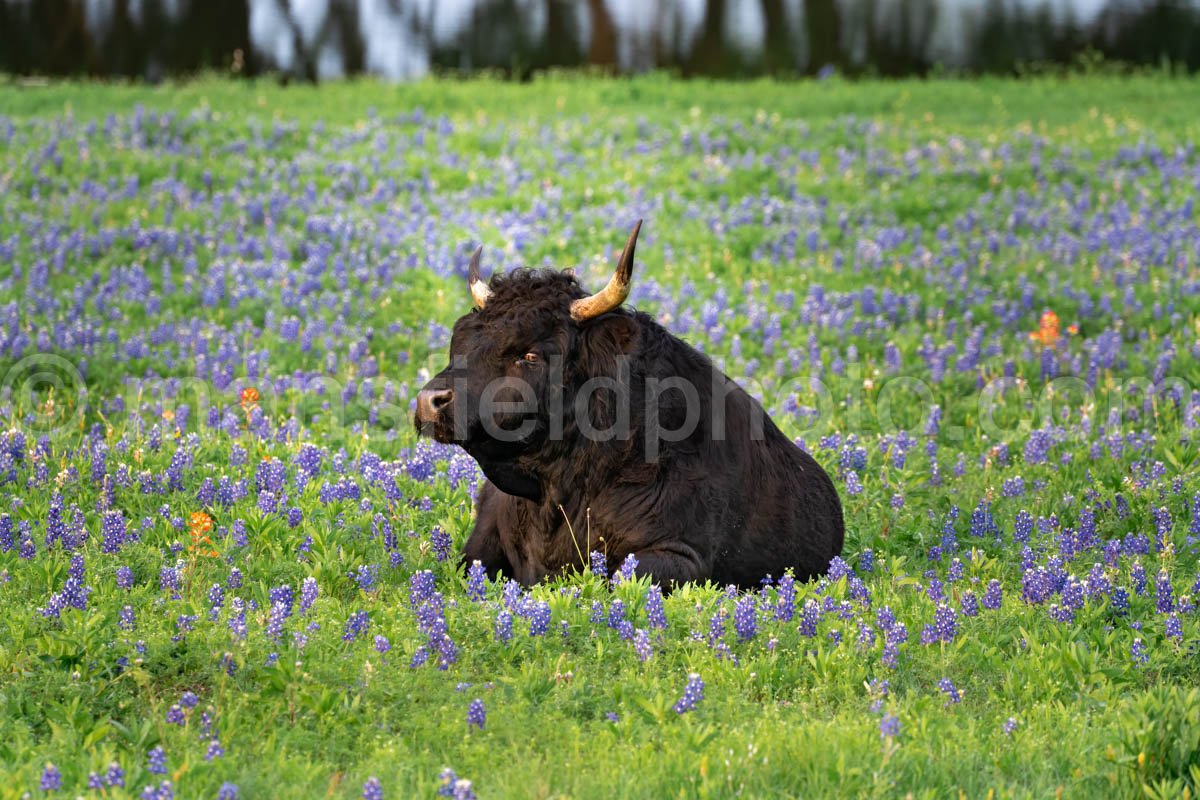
(516, 361)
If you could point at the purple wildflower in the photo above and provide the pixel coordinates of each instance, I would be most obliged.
(693, 693)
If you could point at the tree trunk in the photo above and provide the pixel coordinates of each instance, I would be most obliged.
(777, 39)
(708, 51)
(824, 33)
(602, 50)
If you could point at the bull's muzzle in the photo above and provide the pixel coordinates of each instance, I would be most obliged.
(430, 405)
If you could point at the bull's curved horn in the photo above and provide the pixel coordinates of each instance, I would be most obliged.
(617, 289)
(480, 291)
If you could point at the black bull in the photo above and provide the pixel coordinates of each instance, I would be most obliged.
(600, 431)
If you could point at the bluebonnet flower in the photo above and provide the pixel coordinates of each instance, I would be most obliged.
(431, 621)
(1174, 627)
(175, 715)
(945, 623)
(866, 560)
(693, 693)
(785, 604)
(114, 775)
(284, 596)
(838, 569)
(372, 789)
(276, 620)
(420, 657)
(745, 623)
(441, 542)
(366, 576)
(858, 591)
(157, 761)
(113, 532)
(476, 714)
(1137, 575)
(599, 565)
(641, 644)
(1138, 653)
(1097, 583)
(228, 791)
(1037, 446)
(865, 638)
(503, 626)
(1073, 594)
(513, 596)
(168, 578)
(539, 618)
(268, 502)
(356, 625)
(1064, 614)
(934, 590)
(214, 750)
(627, 570)
(476, 582)
(993, 595)
(983, 522)
(616, 613)
(952, 694)
(1162, 527)
(422, 587)
(810, 617)
(969, 604)
(216, 599)
(1010, 725)
(889, 726)
(51, 779)
(656, 615)
(1022, 526)
(1164, 602)
(308, 593)
(1013, 487)
(955, 573)
(716, 626)
(164, 791)
(1119, 600)
(455, 787)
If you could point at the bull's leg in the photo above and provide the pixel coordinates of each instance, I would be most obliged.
(668, 567)
(484, 543)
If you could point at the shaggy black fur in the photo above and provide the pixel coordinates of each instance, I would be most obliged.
(731, 509)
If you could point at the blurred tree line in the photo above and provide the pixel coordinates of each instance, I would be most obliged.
(153, 38)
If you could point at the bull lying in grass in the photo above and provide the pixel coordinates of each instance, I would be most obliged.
(599, 430)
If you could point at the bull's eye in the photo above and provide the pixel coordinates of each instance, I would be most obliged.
(531, 358)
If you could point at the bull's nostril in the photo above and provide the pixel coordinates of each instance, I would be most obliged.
(441, 399)
(430, 403)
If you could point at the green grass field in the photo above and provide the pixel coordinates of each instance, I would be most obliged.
(857, 253)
